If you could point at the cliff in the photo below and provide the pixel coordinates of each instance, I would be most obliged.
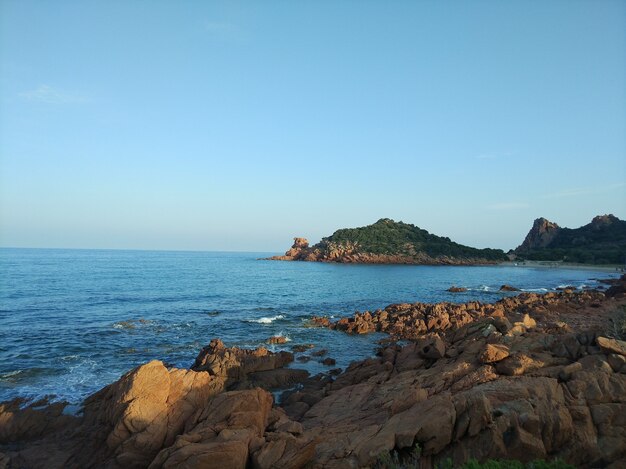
(389, 242)
(603, 241)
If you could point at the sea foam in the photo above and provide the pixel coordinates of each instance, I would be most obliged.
(267, 320)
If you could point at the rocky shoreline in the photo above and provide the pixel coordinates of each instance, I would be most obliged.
(349, 253)
(528, 377)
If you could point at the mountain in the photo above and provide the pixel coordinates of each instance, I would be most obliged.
(389, 242)
(603, 241)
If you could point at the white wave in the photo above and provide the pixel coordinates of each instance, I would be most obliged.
(10, 373)
(536, 290)
(267, 320)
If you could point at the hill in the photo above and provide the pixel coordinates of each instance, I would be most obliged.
(603, 241)
(389, 242)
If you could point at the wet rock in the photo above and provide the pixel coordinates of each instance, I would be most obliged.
(454, 289)
(277, 339)
(508, 288)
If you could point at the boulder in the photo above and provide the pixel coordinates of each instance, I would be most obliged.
(493, 353)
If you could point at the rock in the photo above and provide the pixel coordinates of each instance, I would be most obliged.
(540, 235)
(19, 421)
(220, 435)
(508, 288)
(277, 339)
(528, 322)
(329, 361)
(617, 362)
(493, 353)
(454, 289)
(434, 348)
(234, 363)
(516, 365)
(302, 348)
(612, 345)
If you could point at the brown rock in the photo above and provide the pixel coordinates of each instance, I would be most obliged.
(454, 289)
(493, 353)
(508, 288)
(612, 345)
(234, 363)
(221, 434)
(434, 348)
(277, 339)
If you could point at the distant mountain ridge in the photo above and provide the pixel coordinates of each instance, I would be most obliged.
(390, 242)
(603, 241)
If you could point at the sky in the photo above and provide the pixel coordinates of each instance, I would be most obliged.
(238, 125)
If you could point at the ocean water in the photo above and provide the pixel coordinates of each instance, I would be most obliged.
(72, 321)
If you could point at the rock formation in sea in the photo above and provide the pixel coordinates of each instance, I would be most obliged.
(529, 377)
(389, 242)
(603, 241)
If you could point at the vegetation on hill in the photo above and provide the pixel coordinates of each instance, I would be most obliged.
(603, 241)
(390, 237)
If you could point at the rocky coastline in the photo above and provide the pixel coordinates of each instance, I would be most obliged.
(532, 376)
(350, 253)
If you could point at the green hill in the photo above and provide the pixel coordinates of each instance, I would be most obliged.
(388, 237)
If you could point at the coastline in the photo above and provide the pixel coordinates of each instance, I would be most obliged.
(472, 380)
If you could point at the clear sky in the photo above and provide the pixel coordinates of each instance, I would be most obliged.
(236, 126)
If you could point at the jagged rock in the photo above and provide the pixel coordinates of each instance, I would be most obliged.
(508, 288)
(540, 235)
(454, 289)
(235, 363)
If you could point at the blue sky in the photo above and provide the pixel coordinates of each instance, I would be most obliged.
(238, 125)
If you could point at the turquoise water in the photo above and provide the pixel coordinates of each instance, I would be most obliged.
(72, 321)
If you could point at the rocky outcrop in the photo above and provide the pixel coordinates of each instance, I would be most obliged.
(530, 377)
(540, 235)
(407, 321)
(242, 369)
(602, 241)
(157, 417)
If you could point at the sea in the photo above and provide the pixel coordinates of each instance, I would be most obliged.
(73, 321)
